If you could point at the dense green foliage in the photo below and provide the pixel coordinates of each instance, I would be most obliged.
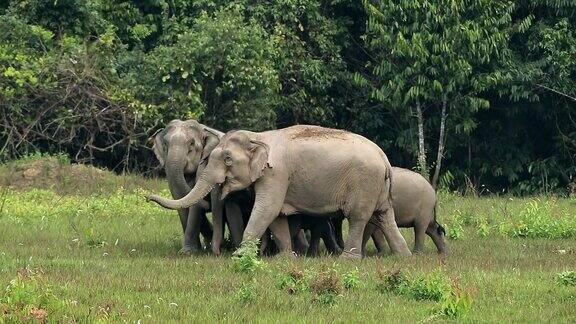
(95, 78)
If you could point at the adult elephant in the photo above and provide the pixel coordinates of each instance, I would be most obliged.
(179, 147)
(308, 169)
(182, 148)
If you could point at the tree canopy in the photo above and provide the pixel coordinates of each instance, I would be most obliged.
(479, 94)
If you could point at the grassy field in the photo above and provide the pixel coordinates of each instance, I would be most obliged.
(95, 251)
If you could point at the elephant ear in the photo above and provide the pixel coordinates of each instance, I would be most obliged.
(211, 140)
(258, 160)
(158, 146)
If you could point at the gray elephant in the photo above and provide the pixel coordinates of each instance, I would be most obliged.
(179, 147)
(308, 169)
(183, 147)
(414, 202)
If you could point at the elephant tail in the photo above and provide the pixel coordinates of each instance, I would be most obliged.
(439, 228)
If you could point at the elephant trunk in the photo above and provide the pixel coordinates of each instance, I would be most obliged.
(200, 190)
(175, 164)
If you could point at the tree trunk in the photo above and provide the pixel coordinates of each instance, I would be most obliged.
(421, 147)
(441, 141)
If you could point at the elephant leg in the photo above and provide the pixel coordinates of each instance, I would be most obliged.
(206, 229)
(316, 234)
(419, 235)
(192, 233)
(267, 245)
(264, 243)
(368, 231)
(217, 220)
(328, 236)
(188, 241)
(337, 222)
(300, 242)
(353, 245)
(235, 222)
(270, 194)
(281, 231)
(435, 231)
(379, 240)
(395, 240)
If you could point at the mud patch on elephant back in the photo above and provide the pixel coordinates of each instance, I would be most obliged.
(318, 132)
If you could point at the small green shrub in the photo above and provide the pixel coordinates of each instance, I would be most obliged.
(93, 239)
(567, 278)
(455, 304)
(327, 299)
(245, 259)
(394, 281)
(28, 298)
(246, 293)
(483, 228)
(434, 287)
(326, 286)
(538, 220)
(293, 282)
(351, 279)
(455, 231)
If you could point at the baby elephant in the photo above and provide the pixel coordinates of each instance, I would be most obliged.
(414, 202)
(320, 228)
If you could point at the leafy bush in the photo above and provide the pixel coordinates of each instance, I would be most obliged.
(539, 220)
(246, 293)
(394, 281)
(326, 286)
(245, 259)
(93, 238)
(567, 278)
(434, 287)
(483, 228)
(455, 304)
(455, 231)
(293, 282)
(28, 298)
(351, 279)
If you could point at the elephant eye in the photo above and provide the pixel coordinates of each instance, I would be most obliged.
(228, 160)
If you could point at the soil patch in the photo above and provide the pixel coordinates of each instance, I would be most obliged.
(319, 132)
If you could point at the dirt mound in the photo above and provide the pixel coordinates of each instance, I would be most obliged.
(58, 174)
(50, 173)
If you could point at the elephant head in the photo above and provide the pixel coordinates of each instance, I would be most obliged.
(235, 164)
(180, 147)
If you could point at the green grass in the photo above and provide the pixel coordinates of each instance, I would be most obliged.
(112, 256)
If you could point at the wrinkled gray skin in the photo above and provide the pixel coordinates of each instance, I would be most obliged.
(179, 148)
(303, 169)
(414, 202)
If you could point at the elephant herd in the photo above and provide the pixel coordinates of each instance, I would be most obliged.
(291, 188)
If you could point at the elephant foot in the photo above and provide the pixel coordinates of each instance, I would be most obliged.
(189, 250)
(350, 255)
(185, 251)
(406, 253)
